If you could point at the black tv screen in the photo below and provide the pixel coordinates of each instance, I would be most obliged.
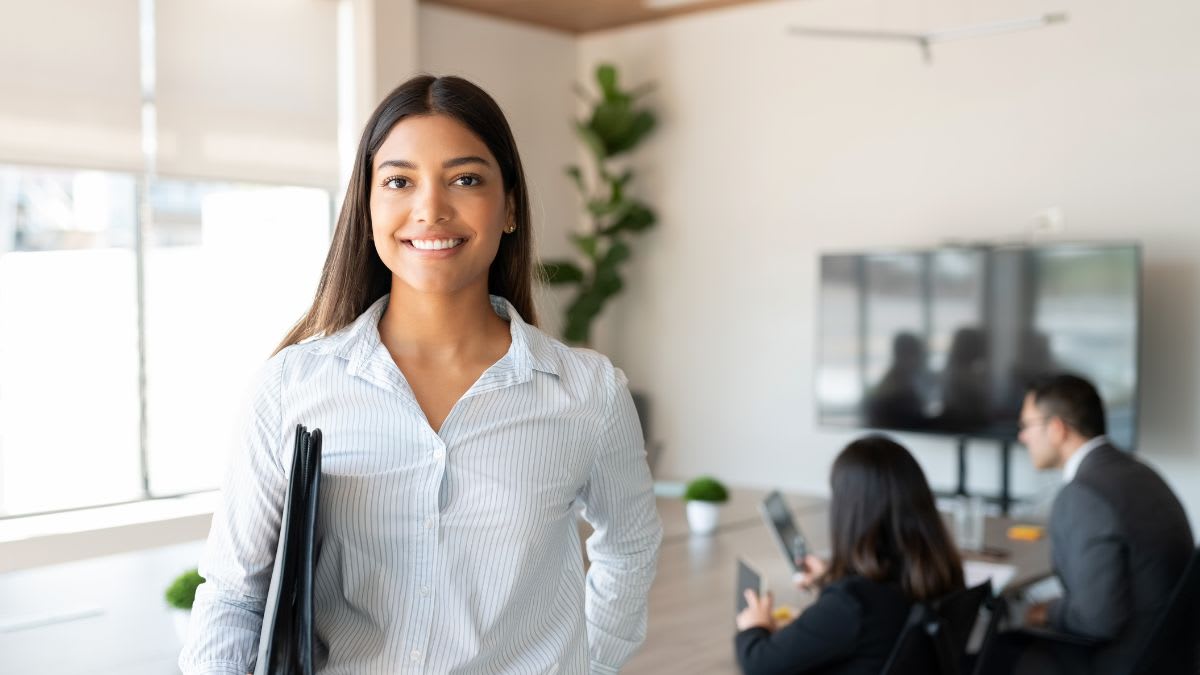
(946, 340)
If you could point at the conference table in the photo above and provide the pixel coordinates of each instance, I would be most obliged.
(692, 600)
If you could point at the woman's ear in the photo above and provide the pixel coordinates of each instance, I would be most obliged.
(510, 215)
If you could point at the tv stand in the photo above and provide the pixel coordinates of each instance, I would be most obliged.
(1004, 498)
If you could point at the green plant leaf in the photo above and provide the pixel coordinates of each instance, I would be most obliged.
(558, 272)
(614, 125)
(706, 489)
(635, 127)
(616, 186)
(586, 243)
(635, 217)
(603, 207)
(182, 591)
(576, 176)
(606, 77)
(608, 278)
(580, 314)
(607, 286)
(616, 254)
(590, 138)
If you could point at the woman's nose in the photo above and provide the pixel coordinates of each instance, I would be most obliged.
(431, 204)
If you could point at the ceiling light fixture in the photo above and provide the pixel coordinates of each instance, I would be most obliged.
(926, 40)
(671, 4)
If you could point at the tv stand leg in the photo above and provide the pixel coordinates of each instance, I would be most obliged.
(962, 466)
(1005, 477)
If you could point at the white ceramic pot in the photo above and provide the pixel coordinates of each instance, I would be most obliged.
(702, 517)
(181, 617)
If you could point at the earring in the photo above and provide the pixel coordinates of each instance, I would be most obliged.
(510, 229)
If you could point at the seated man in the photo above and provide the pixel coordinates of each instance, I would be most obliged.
(1119, 537)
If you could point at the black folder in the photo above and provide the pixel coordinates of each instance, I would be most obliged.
(286, 644)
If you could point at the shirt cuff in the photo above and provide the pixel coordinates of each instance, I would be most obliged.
(217, 668)
(598, 668)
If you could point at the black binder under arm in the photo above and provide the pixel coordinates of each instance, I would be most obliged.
(286, 644)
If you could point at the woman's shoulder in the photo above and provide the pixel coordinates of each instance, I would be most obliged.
(572, 363)
(301, 360)
(868, 592)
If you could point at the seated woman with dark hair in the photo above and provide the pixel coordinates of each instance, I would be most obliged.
(890, 550)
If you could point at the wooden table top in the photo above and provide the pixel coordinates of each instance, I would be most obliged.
(692, 600)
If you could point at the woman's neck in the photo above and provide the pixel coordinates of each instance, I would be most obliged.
(434, 326)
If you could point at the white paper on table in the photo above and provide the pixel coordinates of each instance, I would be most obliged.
(978, 571)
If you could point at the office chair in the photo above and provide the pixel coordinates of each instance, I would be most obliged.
(914, 651)
(997, 610)
(1173, 647)
(959, 612)
(934, 639)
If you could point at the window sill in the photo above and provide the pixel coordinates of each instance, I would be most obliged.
(35, 541)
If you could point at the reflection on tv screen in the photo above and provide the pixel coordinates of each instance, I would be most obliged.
(947, 340)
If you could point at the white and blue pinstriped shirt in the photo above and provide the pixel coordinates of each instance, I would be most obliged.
(449, 552)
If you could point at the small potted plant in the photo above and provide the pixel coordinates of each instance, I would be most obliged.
(704, 497)
(180, 595)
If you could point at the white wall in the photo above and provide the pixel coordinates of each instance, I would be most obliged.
(774, 148)
(69, 77)
(529, 72)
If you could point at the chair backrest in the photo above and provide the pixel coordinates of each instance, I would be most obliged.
(914, 651)
(959, 612)
(997, 611)
(1174, 644)
(934, 639)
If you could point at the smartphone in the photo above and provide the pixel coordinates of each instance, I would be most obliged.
(783, 529)
(747, 578)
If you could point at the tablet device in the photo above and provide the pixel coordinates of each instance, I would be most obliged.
(747, 577)
(783, 528)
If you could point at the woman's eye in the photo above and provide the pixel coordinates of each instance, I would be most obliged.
(467, 181)
(396, 182)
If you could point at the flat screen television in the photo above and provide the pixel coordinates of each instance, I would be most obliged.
(946, 340)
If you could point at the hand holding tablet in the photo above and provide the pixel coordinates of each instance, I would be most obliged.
(754, 606)
(782, 526)
(748, 578)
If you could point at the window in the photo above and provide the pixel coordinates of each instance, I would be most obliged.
(228, 268)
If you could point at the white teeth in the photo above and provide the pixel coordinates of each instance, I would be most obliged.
(435, 244)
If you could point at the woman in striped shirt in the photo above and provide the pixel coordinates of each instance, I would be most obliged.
(458, 438)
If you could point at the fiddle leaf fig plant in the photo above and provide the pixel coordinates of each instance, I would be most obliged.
(616, 125)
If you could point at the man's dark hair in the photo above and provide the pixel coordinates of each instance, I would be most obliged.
(1072, 399)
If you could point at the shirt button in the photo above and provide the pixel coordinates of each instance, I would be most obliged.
(415, 655)
(424, 590)
(439, 454)
(428, 523)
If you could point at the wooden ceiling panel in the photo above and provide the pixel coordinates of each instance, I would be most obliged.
(585, 16)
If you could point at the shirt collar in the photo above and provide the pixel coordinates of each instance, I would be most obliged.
(531, 348)
(1072, 465)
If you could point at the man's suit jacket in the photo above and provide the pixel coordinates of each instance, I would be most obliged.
(1120, 541)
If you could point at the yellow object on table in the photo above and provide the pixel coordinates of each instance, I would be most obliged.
(783, 613)
(1026, 532)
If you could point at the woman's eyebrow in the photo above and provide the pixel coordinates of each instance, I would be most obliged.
(448, 164)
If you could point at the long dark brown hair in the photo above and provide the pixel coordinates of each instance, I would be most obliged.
(354, 276)
(884, 524)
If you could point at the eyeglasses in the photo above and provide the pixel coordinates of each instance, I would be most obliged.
(1022, 425)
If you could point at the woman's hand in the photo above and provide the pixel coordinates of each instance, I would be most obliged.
(1038, 614)
(758, 612)
(812, 570)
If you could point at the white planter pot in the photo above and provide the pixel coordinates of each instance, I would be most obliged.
(181, 617)
(702, 517)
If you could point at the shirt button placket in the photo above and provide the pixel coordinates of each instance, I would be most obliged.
(427, 545)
